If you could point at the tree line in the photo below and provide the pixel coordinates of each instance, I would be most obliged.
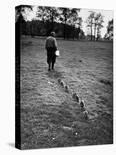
(66, 22)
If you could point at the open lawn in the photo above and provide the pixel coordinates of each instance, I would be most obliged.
(50, 117)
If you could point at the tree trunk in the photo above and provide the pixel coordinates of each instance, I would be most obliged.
(31, 28)
(91, 28)
(64, 30)
(95, 32)
(73, 32)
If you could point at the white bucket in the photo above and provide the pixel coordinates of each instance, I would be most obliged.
(57, 53)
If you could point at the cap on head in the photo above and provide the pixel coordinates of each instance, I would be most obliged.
(52, 34)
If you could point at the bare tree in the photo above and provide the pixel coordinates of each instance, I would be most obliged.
(98, 25)
(95, 21)
(90, 22)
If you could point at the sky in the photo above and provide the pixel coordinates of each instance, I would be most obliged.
(84, 13)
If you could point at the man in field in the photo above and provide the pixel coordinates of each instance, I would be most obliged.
(51, 47)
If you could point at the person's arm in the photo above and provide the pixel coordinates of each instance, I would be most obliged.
(46, 43)
(55, 43)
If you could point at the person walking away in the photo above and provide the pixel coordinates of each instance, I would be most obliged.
(51, 47)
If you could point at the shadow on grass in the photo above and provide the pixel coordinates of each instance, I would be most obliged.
(106, 82)
(54, 74)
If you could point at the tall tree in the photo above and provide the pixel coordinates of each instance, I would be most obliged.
(20, 18)
(69, 17)
(64, 16)
(48, 15)
(21, 10)
(95, 21)
(74, 19)
(98, 25)
(41, 13)
(110, 29)
(90, 22)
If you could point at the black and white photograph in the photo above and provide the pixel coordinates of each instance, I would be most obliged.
(64, 76)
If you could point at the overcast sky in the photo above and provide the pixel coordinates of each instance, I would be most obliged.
(84, 13)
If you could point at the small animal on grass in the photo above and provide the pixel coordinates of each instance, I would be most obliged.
(75, 96)
(80, 60)
(67, 128)
(62, 83)
(59, 80)
(86, 114)
(67, 88)
(82, 104)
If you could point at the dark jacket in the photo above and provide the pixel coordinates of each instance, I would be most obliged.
(51, 43)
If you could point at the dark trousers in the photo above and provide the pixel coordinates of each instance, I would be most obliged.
(51, 57)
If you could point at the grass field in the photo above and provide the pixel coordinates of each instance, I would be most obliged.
(49, 115)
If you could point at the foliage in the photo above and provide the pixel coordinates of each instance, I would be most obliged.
(66, 22)
(21, 10)
(110, 30)
(70, 17)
